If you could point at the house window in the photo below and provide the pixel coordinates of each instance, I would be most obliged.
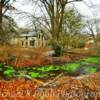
(26, 37)
(32, 42)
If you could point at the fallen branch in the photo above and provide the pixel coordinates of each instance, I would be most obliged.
(51, 83)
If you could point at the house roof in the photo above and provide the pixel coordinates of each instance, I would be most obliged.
(29, 34)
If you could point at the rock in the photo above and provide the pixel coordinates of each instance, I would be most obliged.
(48, 53)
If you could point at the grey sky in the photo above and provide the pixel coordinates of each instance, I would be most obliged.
(86, 8)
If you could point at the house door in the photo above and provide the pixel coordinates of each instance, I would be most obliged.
(32, 42)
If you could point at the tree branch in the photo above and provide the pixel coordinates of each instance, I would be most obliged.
(73, 1)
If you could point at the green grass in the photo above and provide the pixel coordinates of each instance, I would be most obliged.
(9, 72)
(33, 74)
(50, 71)
(46, 68)
(95, 60)
(72, 67)
(90, 69)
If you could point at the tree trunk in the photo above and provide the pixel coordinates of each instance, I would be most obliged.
(1, 7)
(56, 30)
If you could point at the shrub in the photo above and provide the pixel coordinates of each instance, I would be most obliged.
(58, 50)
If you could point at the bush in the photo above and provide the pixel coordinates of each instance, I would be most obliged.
(58, 50)
(81, 44)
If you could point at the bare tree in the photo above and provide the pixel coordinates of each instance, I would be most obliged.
(55, 10)
(4, 6)
(7, 24)
(93, 29)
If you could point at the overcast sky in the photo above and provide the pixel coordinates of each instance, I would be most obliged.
(86, 8)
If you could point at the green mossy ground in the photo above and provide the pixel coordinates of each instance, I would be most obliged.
(84, 66)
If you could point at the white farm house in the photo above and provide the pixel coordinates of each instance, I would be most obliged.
(29, 40)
